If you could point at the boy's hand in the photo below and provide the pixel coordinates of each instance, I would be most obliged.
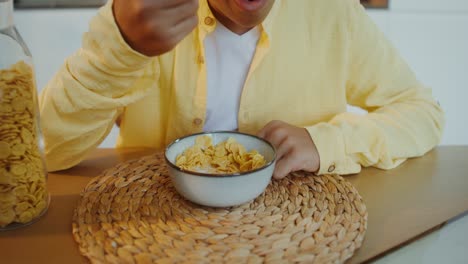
(295, 149)
(154, 27)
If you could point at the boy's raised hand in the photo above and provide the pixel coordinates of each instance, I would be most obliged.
(154, 27)
(295, 149)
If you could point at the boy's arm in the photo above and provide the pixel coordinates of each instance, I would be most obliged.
(79, 105)
(404, 120)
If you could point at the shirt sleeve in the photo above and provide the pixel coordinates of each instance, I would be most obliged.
(79, 106)
(403, 119)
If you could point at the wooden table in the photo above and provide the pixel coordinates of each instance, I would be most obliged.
(403, 203)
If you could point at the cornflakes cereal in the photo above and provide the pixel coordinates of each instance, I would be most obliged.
(23, 194)
(5, 177)
(18, 169)
(22, 207)
(18, 149)
(225, 158)
(7, 216)
(5, 150)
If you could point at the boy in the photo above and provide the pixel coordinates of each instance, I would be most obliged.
(284, 70)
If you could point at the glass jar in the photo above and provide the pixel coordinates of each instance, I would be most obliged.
(23, 191)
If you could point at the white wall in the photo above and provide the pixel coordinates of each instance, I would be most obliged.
(432, 35)
(52, 35)
(437, 6)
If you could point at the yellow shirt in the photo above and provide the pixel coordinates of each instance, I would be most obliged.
(313, 57)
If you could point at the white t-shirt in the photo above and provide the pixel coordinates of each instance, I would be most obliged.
(228, 57)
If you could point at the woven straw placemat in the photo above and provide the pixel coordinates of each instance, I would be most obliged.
(133, 214)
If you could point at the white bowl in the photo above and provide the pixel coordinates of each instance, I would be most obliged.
(221, 190)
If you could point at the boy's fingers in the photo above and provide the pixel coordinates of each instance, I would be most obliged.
(278, 136)
(266, 130)
(262, 133)
(282, 149)
(176, 3)
(283, 167)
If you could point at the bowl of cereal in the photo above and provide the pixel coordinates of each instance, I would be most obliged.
(220, 169)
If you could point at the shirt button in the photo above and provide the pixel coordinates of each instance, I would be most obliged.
(331, 168)
(201, 59)
(197, 121)
(209, 21)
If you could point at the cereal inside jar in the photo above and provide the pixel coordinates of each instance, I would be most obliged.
(23, 191)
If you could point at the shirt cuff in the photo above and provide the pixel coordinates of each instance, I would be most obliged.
(330, 145)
